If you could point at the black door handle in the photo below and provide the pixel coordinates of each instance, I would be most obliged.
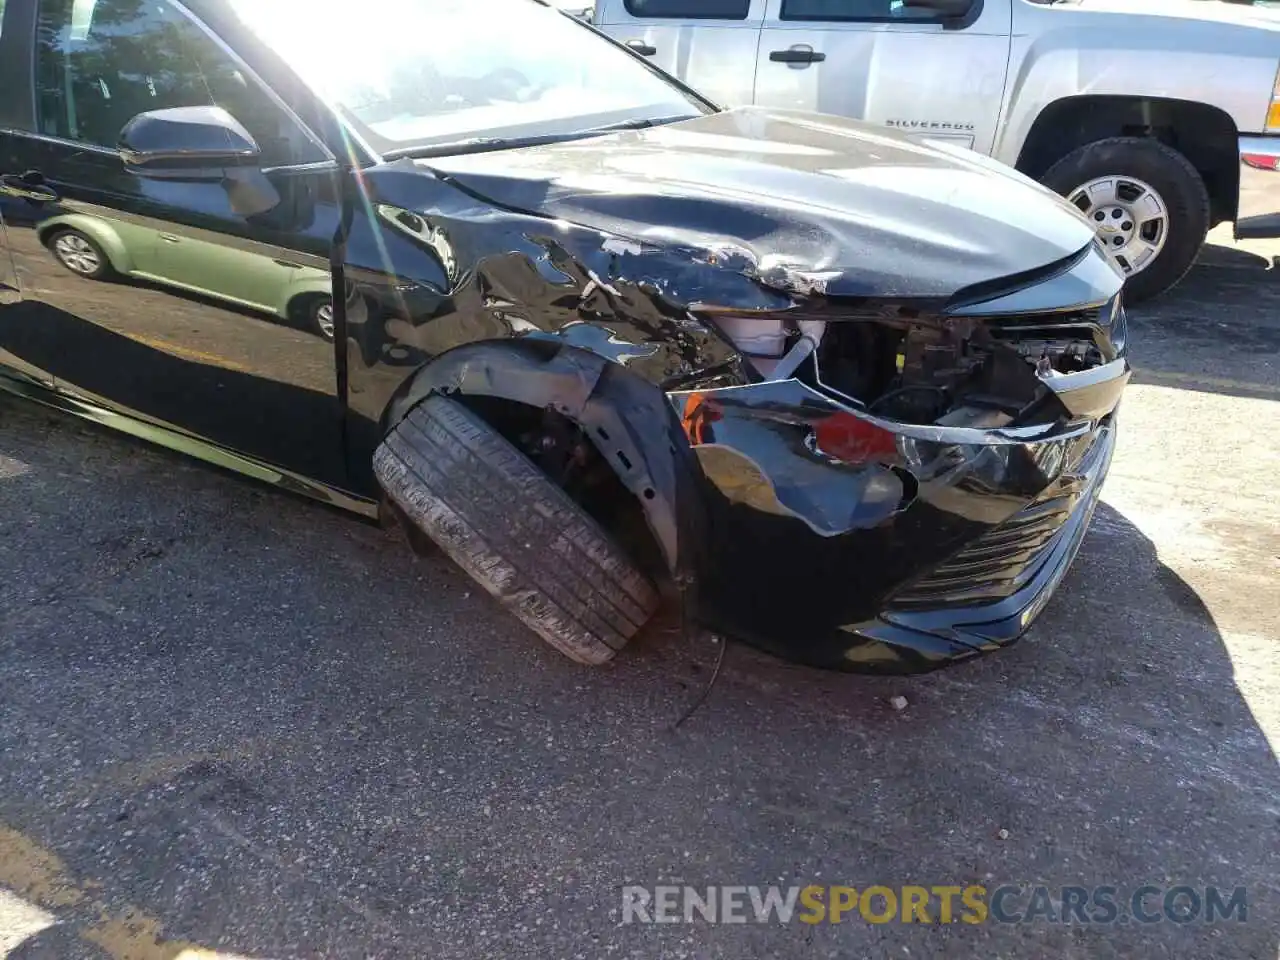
(642, 48)
(28, 186)
(797, 56)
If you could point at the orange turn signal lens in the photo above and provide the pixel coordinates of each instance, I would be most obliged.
(1273, 115)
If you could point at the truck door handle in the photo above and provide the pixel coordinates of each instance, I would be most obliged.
(170, 238)
(28, 186)
(797, 56)
(642, 48)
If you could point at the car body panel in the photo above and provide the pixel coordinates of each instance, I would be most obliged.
(249, 278)
(952, 89)
(198, 363)
(816, 197)
(1226, 58)
(985, 81)
(714, 56)
(196, 264)
(800, 489)
(886, 512)
(951, 92)
(579, 278)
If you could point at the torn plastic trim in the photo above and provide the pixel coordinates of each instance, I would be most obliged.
(931, 433)
(1091, 394)
(782, 448)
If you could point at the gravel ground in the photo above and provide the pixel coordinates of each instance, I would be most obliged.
(232, 721)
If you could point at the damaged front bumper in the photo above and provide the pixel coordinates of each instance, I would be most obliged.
(848, 541)
(986, 596)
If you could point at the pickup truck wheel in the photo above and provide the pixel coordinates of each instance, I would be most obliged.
(514, 531)
(1147, 202)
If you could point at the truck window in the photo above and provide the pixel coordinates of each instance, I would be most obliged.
(99, 63)
(690, 9)
(847, 10)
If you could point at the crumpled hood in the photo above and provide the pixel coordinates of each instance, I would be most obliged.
(815, 202)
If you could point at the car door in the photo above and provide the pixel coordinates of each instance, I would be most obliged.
(890, 63)
(218, 270)
(14, 348)
(709, 44)
(95, 236)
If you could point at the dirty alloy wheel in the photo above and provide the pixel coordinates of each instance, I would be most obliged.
(1148, 205)
(514, 531)
(79, 254)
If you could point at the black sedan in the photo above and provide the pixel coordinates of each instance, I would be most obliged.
(594, 336)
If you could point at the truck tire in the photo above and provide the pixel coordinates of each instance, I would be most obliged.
(1129, 164)
(514, 531)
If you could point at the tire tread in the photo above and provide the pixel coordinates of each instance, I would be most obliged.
(514, 531)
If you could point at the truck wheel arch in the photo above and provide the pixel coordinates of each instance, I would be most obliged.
(1204, 134)
(628, 419)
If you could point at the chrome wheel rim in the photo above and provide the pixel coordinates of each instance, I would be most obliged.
(1130, 218)
(324, 320)
(77, 254)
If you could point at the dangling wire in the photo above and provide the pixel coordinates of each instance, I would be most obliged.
(715, 673)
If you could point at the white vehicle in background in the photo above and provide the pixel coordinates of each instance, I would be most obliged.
(1158, 120)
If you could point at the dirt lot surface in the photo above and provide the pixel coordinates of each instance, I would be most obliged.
(236, 724)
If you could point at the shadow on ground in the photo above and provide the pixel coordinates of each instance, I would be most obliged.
(273, 732)
(1216, 332)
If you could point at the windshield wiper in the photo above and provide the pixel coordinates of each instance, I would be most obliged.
(476, 145)
(486, 144)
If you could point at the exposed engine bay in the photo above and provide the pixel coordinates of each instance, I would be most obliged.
(912, 368)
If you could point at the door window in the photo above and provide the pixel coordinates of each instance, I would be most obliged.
(101, 62)
(690, 9)
(853, 10)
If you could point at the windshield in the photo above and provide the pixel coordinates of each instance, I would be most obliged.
(410, 73)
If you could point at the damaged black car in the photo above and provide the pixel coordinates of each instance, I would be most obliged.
(478, 270)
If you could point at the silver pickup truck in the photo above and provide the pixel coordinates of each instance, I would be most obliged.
(1158, 120)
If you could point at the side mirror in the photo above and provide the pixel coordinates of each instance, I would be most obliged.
(946, 9)
(186, 143)
(199, 145)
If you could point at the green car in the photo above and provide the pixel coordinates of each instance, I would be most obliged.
(101, 249)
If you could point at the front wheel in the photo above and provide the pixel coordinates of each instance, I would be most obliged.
(518, 534)
(80, 254)
(1148, 205)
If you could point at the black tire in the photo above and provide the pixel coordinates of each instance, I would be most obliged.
(514, 531)
(1171, 175)
(104, 269)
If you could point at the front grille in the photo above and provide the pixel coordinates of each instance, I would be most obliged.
(997, 564)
